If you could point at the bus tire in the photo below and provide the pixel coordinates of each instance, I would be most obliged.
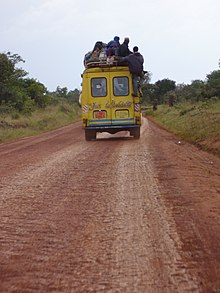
(135, 133)
(90, 134)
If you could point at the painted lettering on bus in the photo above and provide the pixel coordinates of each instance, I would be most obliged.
(95, 106)
(113, 104)
(119, 104)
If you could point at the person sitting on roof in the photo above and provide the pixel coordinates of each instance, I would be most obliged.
(98, 45)
(94, 55)
(112, 47)
(123, 48)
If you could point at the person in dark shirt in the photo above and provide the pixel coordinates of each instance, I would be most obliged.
(135, 64)
(112, 46)
(123, 48)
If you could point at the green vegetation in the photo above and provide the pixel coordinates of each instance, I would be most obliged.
(198, 123)
(16, 125)
(190, 111)
(27, 107)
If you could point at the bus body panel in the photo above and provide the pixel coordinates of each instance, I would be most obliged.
(107, 101)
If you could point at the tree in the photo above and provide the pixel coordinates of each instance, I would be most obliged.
(7, 68)
(162, 87)
(36, 91)
(10, 76)
(197, 89)
(6, 73)
(61, 92)
(147, 77)
(73, 96)
(149, 93)
(213, 84)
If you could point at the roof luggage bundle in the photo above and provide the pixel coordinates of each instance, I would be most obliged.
(102, 54)
(102, 62)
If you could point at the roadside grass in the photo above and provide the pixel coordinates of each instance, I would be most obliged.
(15, 125)
(197, 123)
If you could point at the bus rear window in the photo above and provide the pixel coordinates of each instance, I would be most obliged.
(120, 86)
(99, 87)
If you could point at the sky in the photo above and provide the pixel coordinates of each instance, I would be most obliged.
(179, 39)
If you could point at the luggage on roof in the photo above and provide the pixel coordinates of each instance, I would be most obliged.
(100, 55)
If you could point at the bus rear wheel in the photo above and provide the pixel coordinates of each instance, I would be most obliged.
(90, 134)
(135, 133)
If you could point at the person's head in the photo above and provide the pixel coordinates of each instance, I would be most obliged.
(99, 45)
(116, 39)
(126, 40)
(135, 49)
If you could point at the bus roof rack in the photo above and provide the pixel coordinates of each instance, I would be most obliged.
(104, 63)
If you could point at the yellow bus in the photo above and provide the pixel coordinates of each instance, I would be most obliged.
(107, 102)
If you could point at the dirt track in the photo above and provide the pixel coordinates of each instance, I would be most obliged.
(111, 215)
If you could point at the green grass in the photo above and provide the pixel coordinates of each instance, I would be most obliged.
(15, 125)
(197, 123)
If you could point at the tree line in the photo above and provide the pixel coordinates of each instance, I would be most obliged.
(167, 91)
(17, 91)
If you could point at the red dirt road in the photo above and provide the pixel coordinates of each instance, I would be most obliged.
(111, 215)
